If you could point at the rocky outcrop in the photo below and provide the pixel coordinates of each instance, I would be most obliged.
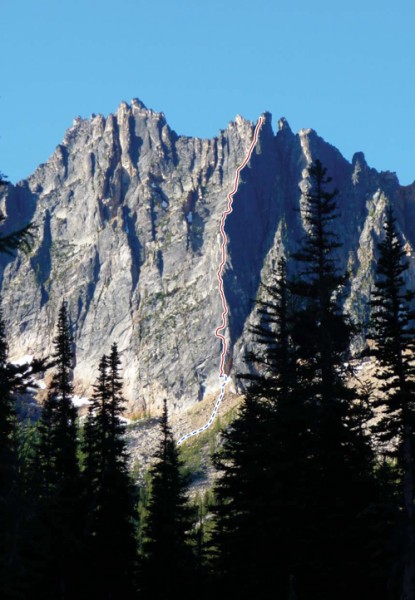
(127, 215)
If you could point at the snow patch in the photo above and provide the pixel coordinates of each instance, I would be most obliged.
(79, 401)
(26, 359)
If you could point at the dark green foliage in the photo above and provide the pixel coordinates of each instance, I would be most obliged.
(57, 448)
(202, 533)
(343, 485)
(27, 444)
(393, 333)
(242, 537)
(276, 360)
(168, 561)
(321, 332)
(22, 239)
(8, 471)
(14, 379)
(143, 494)
(8, 453)
(56, 524)
(110, 544)
(263, 494)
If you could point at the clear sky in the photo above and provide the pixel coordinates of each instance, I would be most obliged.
(345, 68)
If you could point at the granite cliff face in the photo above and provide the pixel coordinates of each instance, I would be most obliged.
(127, 215)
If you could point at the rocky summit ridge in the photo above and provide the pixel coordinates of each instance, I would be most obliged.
(127, 215)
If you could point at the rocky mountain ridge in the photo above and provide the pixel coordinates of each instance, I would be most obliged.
(127, 215)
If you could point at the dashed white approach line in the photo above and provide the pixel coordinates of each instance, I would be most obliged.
(222, 376)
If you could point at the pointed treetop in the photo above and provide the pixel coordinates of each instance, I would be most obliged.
(165, 419)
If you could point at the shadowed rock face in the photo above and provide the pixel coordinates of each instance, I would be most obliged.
(128, 219)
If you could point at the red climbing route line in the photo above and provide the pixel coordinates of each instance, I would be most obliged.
(219, 335)
(225, 213)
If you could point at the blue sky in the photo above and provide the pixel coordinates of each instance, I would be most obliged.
(345, 69)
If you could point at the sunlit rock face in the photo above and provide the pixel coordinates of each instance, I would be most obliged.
(127, 215)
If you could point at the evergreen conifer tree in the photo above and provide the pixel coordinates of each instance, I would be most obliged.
(58, 521)
(57, 449)
(393, 333)
(262, 494)
(343, 487)
(168, 562)
(110, 543)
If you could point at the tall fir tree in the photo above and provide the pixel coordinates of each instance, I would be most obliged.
(57, 521)
(262, 494)
(168, 562)
(322, 334)
(110, 543)
(344, 487)
(393, 334)
(57, 449)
